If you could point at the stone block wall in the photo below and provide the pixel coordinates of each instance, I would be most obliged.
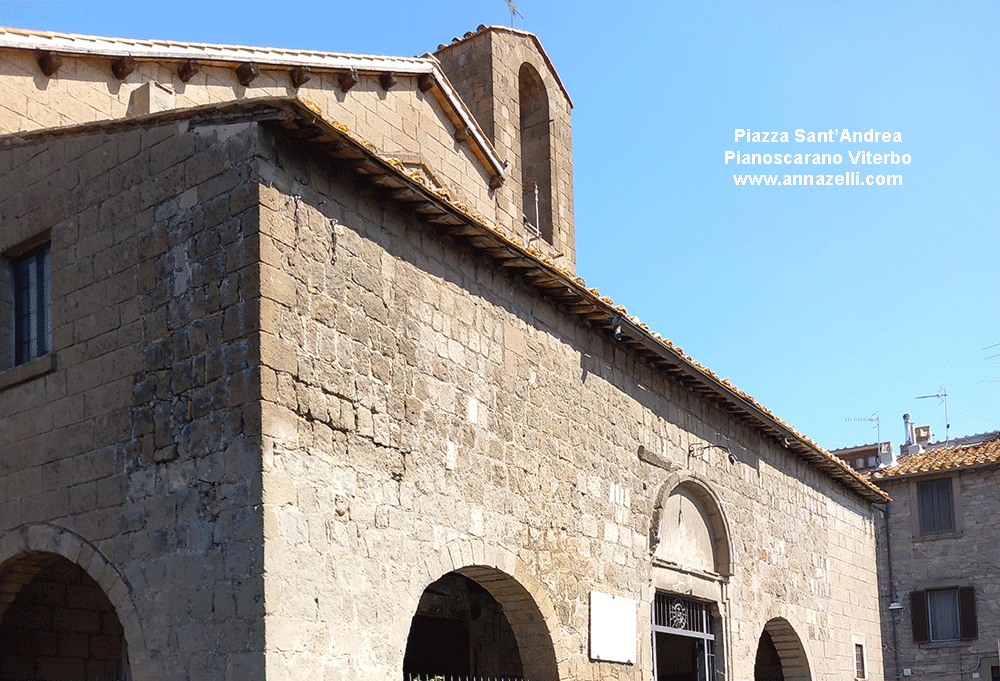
(280, 408)
(969, 557)
(401, 122)
(425, 413)
(133, 449)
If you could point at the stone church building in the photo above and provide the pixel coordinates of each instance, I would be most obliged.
(297, 380)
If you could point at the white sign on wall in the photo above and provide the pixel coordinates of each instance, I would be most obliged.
(612, 628)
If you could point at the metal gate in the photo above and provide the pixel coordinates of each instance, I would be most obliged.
(677, 616)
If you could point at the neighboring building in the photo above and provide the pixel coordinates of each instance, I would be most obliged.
(298, 382)
(939, 560)
(866, 458)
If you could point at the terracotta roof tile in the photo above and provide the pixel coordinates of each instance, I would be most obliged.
(70, 43)
(945, 458)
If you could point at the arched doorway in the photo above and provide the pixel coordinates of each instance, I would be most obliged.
(56, 623)
(780, 654)
(478, 622)
(691, 560)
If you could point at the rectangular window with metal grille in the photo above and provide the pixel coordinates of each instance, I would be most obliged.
(859, 661)
(32, 304)
(674, 612)
(684, 638)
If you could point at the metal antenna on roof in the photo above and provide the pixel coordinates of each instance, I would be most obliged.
(994, 356)
(942, 395)
(513, 11)
(871, 419)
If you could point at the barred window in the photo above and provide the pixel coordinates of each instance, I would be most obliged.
(32, 304)
(684, 639)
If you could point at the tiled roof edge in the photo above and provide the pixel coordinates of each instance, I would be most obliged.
(152, 50)
(69, 43)
(506, 29)
(929, 462)
(570, 293)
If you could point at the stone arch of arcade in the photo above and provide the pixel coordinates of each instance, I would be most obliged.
(780, 653)
(40, 556)
(492, 574)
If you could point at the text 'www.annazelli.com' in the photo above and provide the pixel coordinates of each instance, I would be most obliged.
(842, 180)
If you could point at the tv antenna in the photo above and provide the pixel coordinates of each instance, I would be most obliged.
(942, 396)
(513, 11)
(874, 420)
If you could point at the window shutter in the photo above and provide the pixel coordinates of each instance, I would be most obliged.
(925, 492)
(935, 506)
(946, 509)
(918, 611)
(967, 613)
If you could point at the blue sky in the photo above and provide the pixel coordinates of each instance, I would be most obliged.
(825, 303)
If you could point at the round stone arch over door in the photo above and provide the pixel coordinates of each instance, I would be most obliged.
(687, 493)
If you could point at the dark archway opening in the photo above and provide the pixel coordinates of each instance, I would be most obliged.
(459, 629)
(56, 624)
(767, 666)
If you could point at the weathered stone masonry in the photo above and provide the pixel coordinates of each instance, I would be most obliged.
(143, 443)
(283, 401)
(460, 411)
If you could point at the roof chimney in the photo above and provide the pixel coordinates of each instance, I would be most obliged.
(922, 434)
(912, 445)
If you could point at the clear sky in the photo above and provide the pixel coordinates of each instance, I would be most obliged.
(827, 303)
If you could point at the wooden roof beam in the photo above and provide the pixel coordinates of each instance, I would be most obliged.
(123, 67)
(348, 79)
(187, 70)
(49, 62)
(299, 76)
(246, 73)
(387, 80)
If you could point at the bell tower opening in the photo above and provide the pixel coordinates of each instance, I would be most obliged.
(512, 89)
(536, 156)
